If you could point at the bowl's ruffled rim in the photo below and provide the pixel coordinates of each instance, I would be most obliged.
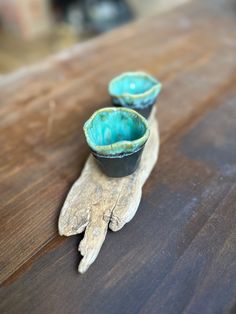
(121, 147)
(116, 79)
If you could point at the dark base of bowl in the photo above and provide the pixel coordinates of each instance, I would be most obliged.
(145, 112)
(120, 165)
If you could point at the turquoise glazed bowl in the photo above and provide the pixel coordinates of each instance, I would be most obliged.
(135, 90)
(116, 137)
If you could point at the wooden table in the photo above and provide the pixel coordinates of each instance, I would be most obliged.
(179, 252)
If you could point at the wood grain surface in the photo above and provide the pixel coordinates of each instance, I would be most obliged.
(178, 255)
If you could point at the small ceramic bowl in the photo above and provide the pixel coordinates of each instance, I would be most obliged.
(116, 137)
(135, 90)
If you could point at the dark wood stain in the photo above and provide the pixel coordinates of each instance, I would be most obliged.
(178, 254)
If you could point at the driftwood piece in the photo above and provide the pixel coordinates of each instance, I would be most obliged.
(96, 201)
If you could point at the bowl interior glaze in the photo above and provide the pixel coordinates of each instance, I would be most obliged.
(132, 83)
(116, 130)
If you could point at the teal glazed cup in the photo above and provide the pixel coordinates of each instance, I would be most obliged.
(135, 90)
(116, 137)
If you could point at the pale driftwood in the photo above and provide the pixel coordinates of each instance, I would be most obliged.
(96, 201)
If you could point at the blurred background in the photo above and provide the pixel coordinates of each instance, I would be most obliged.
(31, 30)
